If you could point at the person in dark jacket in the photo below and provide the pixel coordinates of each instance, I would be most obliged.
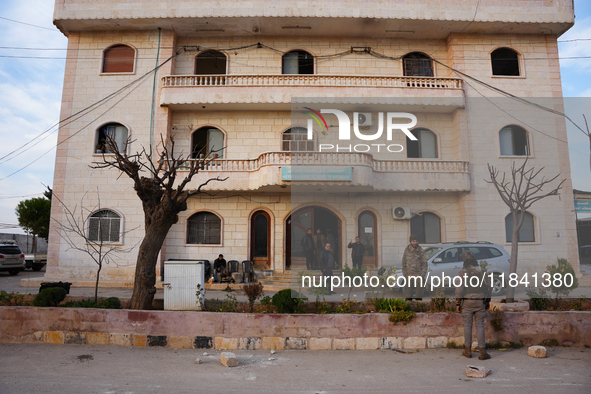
(357, 252)
(219, 265)
(309, 249)
(472, 301)
(326, 261)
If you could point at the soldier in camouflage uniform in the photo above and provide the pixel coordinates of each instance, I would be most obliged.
(472, 301)
(414, 263)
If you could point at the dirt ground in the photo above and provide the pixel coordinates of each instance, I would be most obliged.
(44, 368)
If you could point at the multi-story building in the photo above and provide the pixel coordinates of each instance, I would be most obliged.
(228, 73)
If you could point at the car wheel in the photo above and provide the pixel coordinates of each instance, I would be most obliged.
(13, 272)
(497, 286)
(37, 268)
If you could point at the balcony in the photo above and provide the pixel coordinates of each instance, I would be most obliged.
(355, 172)
(191, 92)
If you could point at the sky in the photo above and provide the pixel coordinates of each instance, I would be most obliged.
(31, 96)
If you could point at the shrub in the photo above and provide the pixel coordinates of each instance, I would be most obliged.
(390, 304)
(538, 299)
(557, 277)
(401, 316)
(110, 303)
(50, 297)
(497, 319)
(287, 301)
(252, 291)
(81, 304)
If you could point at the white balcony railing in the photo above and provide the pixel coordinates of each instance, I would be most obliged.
(311, 80)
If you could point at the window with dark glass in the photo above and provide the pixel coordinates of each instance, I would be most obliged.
(104, 226)
(261, 236)
(427, 227)
(526, 232)
(204, 228)
(115, 132)
(417, 64)
(210, 62)
(295, 139)
(118, 59)
(207, 140)
(505, 62)
(366, 232)
(297, 62)
(513, 141)
(424, 147)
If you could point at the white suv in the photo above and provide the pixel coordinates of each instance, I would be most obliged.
(12, 258)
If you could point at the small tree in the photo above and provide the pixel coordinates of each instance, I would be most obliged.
(558, 278)
(520, 192)
(33, 216)
(73, 230)
(161, 186)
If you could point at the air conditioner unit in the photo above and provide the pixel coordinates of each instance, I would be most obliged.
(364, 119)
(401, 213)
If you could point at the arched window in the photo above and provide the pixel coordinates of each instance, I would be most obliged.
(207, 140)
(526, 232)
(513, 140)
(204, 228)
(115, 131)
(427, 227)
(297, 62)
(118, 59)
(505, 61)
(417, 64)
(424, 147)
(210, 62)
(104, 226)
(295, 139)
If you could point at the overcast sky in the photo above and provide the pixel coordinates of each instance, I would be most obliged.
(31, 95)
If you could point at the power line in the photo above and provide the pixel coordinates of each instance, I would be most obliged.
(30, 24)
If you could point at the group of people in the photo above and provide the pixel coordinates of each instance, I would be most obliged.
(472, 301)
(315, 245)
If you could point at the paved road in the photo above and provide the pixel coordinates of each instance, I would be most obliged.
(43, 368)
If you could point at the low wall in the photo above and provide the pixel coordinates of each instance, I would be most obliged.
(210, 330)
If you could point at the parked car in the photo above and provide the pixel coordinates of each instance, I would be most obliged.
(35, 261)
(446, 258)
(12, 258)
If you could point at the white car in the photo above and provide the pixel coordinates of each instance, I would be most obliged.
(11, 258)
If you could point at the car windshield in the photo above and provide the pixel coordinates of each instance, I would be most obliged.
(430, 252)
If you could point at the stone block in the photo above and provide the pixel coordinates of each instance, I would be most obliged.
(367, 343)
(157, 340)
(203, 342)
(226, 343)
(56, 337)
(537, 351)
(415, 343)
(273, 343)
(97, 338)
(120, 339)
(436, 342)
(343, 344)
(75, 338)
(457, 340)
(180, 342)
(319, 343)
(38, 335)
(140, 340)
(228, 359)
(473, 371)
(296, 343)
(517, 306)
(391, 343)
(251, 343)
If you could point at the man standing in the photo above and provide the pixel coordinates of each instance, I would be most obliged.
(319, 241)
(357, 252)
(219, 265)
(309, 249)
(414, 263)
(326, 261)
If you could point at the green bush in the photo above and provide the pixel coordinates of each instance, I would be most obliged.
(538, 299)
(288, 301)
(557, 278)
(390, 304)
(81, 304)
(110, 303)
(50, 297)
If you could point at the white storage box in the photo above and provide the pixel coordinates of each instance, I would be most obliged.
(181, 278)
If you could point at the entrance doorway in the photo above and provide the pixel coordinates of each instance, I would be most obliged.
(367, 232)
(315, 218)
(260, 239)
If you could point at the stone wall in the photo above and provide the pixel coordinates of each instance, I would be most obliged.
(207, 330)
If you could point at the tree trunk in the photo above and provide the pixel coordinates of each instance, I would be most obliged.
(98, 273)
(145, 269)
(34, 246)
(513, 268)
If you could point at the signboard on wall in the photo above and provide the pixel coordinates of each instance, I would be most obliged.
(317, 173)
(583, 206)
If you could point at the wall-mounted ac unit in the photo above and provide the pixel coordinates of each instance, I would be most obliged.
(401, 213)
(364, 119)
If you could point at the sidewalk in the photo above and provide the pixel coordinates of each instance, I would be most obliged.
(115, 369)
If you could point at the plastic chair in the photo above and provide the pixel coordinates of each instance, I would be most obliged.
(206, 269)
(248, 269)
(231, 267)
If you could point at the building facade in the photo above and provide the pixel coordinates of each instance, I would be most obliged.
(234, 77)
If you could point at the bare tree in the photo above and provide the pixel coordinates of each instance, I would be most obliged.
(161, 186)
(100, 249)
(520, 192)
